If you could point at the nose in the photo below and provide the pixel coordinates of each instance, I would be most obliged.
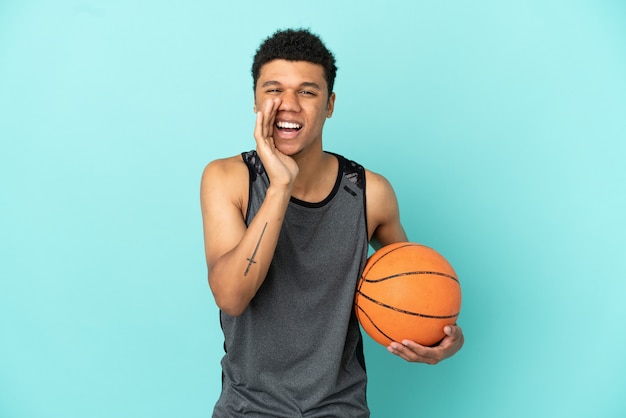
(290, 102)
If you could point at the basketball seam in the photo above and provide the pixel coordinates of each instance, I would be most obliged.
(404, 311)
(389, 252)
(373, 323)
(408, 273)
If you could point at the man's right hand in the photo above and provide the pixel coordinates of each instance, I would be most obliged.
(280, 168)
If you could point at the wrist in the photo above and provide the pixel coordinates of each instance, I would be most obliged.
(279, 190)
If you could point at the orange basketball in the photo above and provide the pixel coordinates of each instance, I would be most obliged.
(407, 291)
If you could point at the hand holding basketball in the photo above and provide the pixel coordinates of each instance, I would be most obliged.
(414, 352)
(408, 299)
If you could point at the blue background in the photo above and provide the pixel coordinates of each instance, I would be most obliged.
(501, 125)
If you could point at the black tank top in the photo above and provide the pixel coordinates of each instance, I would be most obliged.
(297, 350)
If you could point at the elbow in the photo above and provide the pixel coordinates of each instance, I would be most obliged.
(230, 307)
(229, 301)
(232, 294)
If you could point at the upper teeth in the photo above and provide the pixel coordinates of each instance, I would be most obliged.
(288, 125)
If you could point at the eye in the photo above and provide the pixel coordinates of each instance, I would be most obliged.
(307, 93)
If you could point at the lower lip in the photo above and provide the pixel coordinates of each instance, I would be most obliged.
(286, 133)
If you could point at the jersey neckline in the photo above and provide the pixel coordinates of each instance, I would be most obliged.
(333, 192)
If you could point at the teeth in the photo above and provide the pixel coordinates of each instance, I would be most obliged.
(288, 125)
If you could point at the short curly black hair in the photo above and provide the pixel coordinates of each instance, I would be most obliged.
(295, 45)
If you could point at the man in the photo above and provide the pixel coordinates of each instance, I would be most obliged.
(286, 232)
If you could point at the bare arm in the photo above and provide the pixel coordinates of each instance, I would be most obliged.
(383, 214)
(385, 228)
(238, 257)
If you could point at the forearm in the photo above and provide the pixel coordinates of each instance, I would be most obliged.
(237, 275)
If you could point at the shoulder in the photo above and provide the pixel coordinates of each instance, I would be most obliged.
(226, 177)
(351, 170)
(380, 197)
(377, 186)
(225, 169)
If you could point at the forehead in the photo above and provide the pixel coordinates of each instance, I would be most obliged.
(292, 72)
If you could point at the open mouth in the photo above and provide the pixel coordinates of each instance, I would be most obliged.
(288, 126)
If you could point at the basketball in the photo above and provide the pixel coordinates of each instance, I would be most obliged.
(407, 291)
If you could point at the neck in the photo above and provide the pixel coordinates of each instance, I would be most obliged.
(316, 177)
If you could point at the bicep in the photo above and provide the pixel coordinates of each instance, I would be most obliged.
(221, 203)
(383, 212)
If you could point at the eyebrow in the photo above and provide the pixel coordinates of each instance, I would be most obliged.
(303, 84)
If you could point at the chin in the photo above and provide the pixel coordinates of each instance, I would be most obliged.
(288, 149)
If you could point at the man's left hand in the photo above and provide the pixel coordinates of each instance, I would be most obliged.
(417, 353)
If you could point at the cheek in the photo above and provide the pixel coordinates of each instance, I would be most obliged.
(319, 112)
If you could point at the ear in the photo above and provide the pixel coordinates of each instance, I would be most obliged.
(331, 105)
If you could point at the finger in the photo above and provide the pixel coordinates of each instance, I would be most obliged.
(258, 127)
(271, 116)
(452, 330)
(418, 351)
(413, 353)
(265, 117)
(400, 351)
(454, 336)
(268, 119)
